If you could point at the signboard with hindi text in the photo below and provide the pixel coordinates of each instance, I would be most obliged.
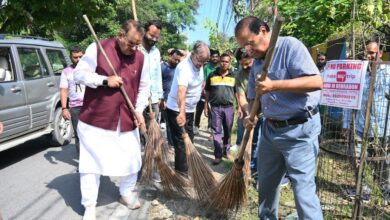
(343, 83)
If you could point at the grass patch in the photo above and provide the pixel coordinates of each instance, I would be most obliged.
(250, 210)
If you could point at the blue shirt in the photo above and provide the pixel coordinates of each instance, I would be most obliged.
(291, 60)
(379, 105)
(167, 73)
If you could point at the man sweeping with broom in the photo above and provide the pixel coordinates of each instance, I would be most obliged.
(182, 99)
(289, 98)
(109, 138)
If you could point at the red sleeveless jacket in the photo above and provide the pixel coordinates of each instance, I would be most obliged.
(103, 107)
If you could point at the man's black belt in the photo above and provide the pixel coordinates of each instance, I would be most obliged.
(294, 121)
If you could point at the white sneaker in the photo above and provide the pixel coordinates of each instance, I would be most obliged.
(89, 213)
(163, 126)
(234, 147)
(196, 130)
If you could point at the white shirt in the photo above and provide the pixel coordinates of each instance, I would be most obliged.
(105, 152)
(84, 73)
(153, 64)
(75, 91)
(186, 75)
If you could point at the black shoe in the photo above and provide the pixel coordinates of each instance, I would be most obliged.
(217, 161)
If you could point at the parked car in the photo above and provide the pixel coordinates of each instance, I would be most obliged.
(30, 70)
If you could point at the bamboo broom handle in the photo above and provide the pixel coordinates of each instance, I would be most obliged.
(122, 89)
(267, 61)
(134, 10)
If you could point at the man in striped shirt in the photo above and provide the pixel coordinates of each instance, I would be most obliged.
(220, 93)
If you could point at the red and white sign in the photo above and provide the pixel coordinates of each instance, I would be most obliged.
(343, 83)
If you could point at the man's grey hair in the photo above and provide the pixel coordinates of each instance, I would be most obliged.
(199, 46)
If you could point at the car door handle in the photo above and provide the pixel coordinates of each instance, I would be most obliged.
(16, 89)
(50, 84)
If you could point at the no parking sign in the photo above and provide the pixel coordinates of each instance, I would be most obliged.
(343, 83)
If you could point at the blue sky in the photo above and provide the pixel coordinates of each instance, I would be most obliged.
(208, 9)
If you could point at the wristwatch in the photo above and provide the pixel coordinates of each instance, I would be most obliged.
(105, 82)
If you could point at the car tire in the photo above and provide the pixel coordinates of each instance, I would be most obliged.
(62, 130)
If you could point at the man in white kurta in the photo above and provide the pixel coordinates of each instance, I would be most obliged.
(109, 139)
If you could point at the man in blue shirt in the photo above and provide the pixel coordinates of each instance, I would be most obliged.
(376, 129)
(168, 71)
(289, 99)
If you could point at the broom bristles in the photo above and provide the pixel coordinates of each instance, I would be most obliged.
(200, 173)
(155, 159)
(149, 154)
(171, 180)
(230, 193)
(155, 139)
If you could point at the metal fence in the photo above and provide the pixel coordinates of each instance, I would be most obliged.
(353, 175)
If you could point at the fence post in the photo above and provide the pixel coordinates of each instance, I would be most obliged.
(358, 202)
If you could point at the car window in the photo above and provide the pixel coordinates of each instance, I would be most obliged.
(57, 61)
(33, 64)
(7, 72)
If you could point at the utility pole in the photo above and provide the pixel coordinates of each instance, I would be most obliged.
(353, 29)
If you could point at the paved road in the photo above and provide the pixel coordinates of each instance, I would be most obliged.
(40, 182)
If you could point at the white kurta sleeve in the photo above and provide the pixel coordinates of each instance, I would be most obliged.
(84, 72)
(144, 89)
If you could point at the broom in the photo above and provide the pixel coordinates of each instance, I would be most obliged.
(170, 175)
(171, 180)
(149, 153)
(156, 139)
(199, 172)
(231, 192)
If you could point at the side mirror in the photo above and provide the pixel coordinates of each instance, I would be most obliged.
(2, 75)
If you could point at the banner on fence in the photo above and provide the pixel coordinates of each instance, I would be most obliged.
(343, 83)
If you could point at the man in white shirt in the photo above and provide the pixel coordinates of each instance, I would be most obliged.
(73, 91)
(153, 57)
(182, 99)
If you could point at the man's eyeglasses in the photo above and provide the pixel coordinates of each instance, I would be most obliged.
(130, 43)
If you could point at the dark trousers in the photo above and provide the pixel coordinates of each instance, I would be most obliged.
(74, 114)
(178, 143)
(222, 116)
(198, 114)
(255, 141)
(240, 130)
(168, 129)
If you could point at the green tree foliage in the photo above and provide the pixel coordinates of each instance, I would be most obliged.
(218, 40)
(62, 20)
(314, 21)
